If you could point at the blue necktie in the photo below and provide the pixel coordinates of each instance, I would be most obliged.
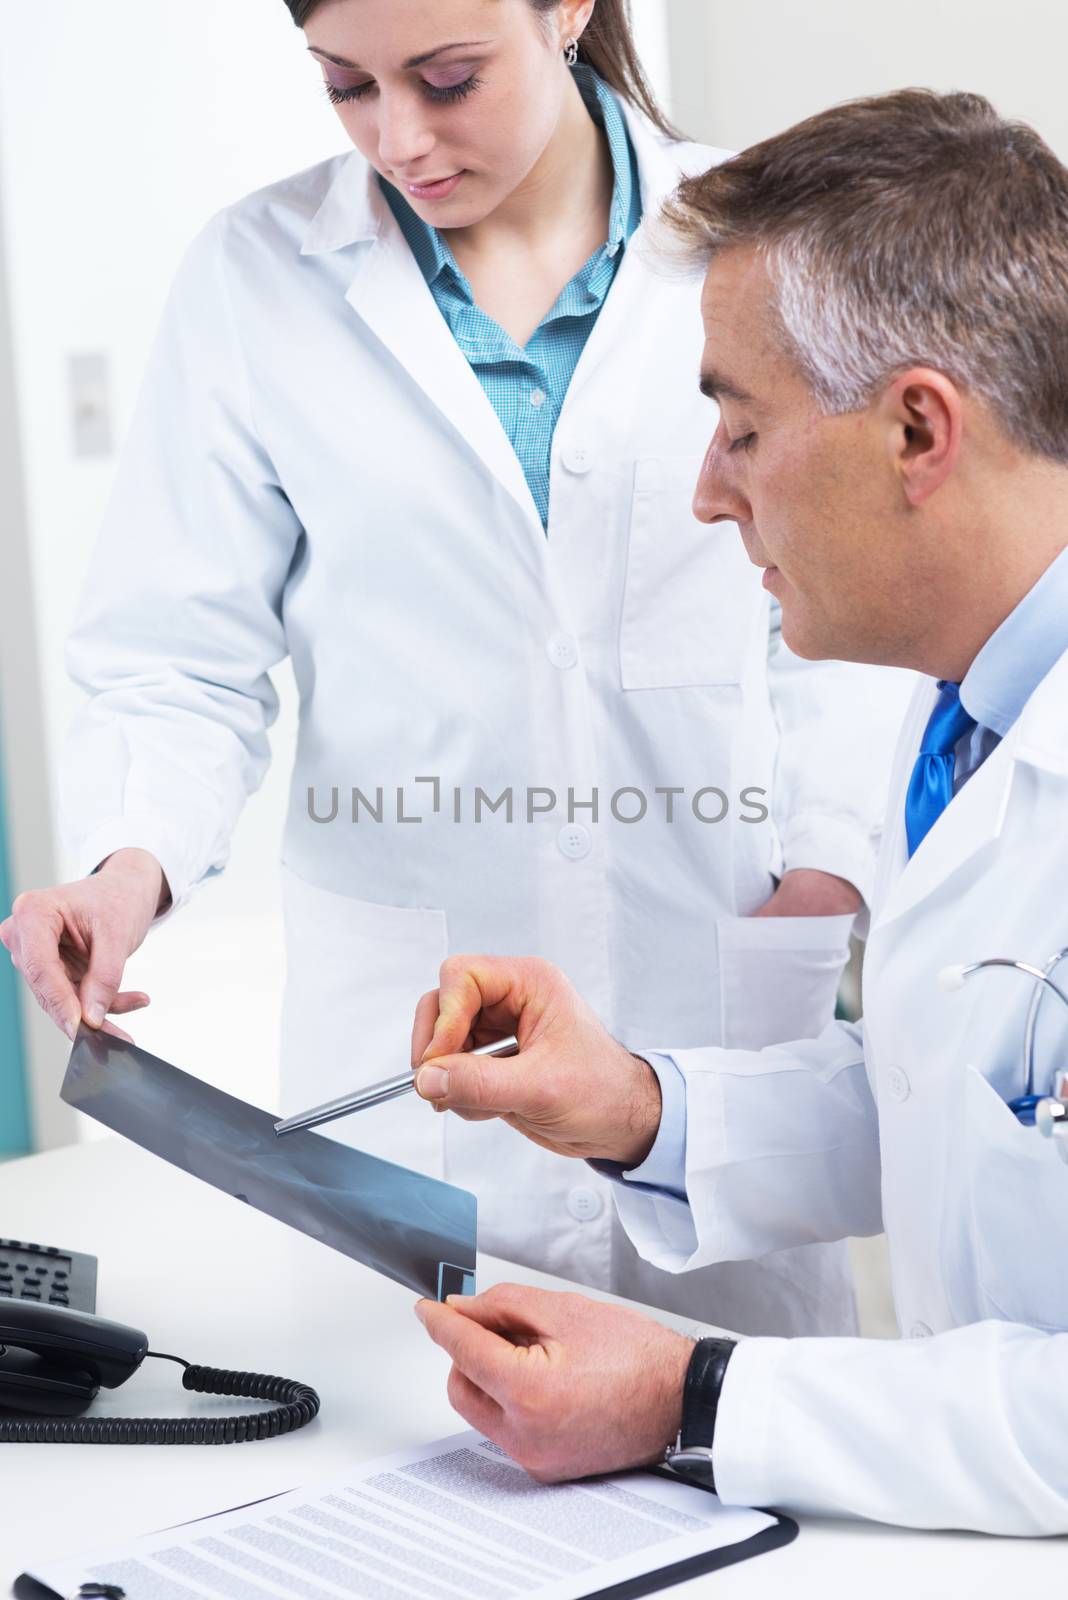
(931, 784)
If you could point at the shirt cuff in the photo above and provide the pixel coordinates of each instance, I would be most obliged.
(740, 1454)
(148, 835)
(664, 1168)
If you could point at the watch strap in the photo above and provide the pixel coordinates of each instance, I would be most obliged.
(700, 1396)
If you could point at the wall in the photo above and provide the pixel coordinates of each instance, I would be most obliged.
(741, 72)
(14, 1110)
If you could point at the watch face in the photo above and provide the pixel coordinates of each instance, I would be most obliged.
(695, 1463)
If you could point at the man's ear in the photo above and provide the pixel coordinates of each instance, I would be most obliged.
(923, 415)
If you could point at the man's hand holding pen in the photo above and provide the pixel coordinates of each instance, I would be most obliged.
(572, 1088)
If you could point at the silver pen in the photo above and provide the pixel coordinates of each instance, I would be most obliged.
(377, 1094)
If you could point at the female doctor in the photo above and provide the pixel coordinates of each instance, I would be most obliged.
(425, 419)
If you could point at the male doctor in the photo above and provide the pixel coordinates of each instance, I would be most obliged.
(886, 331)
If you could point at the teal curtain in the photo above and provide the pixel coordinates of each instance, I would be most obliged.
(14, 1113)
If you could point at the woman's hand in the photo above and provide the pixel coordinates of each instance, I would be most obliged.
(71, 943)
(572, 1088)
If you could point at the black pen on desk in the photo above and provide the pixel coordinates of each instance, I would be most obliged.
(377, 1094)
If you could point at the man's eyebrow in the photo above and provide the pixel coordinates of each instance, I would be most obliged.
(413, 61)
(714, 386)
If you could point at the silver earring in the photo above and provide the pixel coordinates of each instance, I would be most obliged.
(571, 52)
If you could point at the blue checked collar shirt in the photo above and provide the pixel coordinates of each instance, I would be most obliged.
(526, 386)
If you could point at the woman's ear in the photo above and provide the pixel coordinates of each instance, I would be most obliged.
(573, 18)
(923, 416)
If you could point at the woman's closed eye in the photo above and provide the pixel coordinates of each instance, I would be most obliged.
(447, 85)
(451, 82)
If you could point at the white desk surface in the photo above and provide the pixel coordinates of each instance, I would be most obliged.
(217, 1283)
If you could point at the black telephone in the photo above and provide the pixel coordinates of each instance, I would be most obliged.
(54, 1361)
(55, 1358)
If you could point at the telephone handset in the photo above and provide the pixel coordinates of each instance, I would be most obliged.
(54, 1360)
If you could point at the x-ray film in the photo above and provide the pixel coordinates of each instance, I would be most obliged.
(414, 1229)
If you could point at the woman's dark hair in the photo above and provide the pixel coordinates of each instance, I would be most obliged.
(607, 46)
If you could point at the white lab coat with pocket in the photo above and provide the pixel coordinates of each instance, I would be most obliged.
(314, 470)
(904, 1122)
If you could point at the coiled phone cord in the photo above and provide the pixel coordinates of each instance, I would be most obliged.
(295, 1405)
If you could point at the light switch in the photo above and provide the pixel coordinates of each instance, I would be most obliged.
(90, 398)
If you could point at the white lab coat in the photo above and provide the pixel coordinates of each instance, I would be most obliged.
(314, 469)
(903, 1122)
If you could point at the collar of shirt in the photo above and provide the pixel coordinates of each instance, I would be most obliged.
(1018, 655)
(587, 290)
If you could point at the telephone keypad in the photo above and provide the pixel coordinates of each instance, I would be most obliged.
(43, 1272)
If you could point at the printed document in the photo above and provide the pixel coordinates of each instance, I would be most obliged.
(454, 1520)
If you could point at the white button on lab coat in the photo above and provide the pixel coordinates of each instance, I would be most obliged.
(314, 469)
(562, 651)
(897, 1083)
(584, 1204)
(964, 1424)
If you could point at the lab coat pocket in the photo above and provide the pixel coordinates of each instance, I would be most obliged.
(1018, 1205)
(691, 597)
(355, 973)
(779, 977)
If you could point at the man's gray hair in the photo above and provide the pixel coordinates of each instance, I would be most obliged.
(911, 229)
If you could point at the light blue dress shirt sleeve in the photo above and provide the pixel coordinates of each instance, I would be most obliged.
(664, 1168)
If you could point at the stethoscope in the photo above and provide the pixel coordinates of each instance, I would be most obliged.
(1046, 1112)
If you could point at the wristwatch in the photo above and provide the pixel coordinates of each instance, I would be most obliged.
(691, 1454)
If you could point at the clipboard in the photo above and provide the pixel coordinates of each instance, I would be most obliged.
(784, 1532)
(458, 1507)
